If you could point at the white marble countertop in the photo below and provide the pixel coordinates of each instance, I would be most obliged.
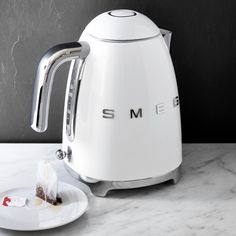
(202, 203)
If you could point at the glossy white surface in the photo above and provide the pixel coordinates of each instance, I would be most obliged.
(40, 215)
(202, 203)
(120, 131)
(129, 76)
(122, 25)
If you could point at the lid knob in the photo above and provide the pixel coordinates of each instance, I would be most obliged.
(121, 25)
(122, 13)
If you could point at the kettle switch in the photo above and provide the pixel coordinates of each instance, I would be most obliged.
(60, 154)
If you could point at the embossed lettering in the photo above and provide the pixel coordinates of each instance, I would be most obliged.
(136, 114)
(108, 113)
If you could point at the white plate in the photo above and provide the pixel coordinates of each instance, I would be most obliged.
(38, 214)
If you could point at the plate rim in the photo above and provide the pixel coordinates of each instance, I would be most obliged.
(53, 226)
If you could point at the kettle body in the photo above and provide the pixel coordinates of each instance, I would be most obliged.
(121, 125)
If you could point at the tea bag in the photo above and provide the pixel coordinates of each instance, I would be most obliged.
(47, 183)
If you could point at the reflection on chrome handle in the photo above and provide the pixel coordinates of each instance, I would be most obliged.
(48, 65)
(74, 80)
(167, 37)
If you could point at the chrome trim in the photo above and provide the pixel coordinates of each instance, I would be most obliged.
(133, 14)
(87, 180)
(166, 34)
(60, 154)
(74, 78)
(167, 37)
(48, 65)
(122, 40)
(101, 188)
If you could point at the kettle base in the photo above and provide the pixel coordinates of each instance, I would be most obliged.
(101, 188)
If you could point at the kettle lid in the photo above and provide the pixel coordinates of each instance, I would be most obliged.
(122, 25)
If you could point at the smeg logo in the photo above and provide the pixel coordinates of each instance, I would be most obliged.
(160, 108)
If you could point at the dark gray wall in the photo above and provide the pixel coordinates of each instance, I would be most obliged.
(203, 52)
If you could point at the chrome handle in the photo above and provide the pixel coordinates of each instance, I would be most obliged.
(48, 65)
(167, 37)
(74, 80)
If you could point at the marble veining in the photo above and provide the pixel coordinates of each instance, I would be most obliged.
(202, 203)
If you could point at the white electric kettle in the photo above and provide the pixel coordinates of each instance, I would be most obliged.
(122, 117)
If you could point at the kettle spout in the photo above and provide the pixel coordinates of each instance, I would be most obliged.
(48, 65)
(167, 37)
